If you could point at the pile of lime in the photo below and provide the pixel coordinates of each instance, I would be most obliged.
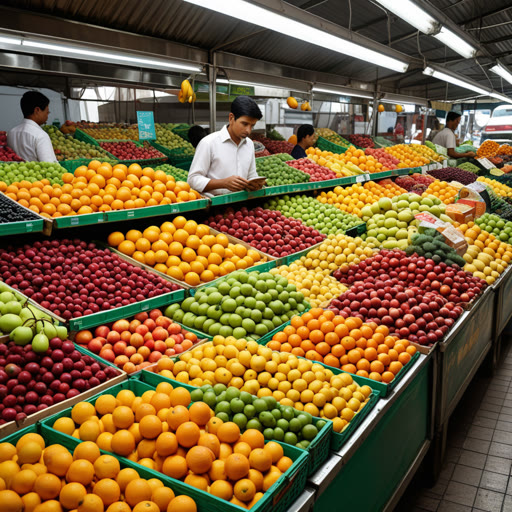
(277, 422)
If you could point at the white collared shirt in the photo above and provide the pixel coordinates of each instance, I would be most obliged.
(217, 157)
(446, 138)
(31, 142)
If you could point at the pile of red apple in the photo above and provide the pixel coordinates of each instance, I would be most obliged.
(416, 183)
(317, 172)
(3, 138)
(73, 278)
(386, 159)
(128, 150)
(8, 155)
(415, 297)
(31, 381)
(158, 334)
(363, 141)
(266, 230)
(275, 146)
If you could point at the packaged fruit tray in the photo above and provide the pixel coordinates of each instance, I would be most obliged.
(32, 419)
(326, 145)
(318, 448)
(278, 497)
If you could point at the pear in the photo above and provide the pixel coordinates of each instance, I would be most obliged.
(21, 335)
(40, 343)
(62, 332)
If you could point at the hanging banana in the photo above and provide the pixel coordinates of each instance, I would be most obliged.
(186, 93)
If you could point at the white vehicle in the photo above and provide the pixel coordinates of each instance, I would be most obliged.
(499, 126)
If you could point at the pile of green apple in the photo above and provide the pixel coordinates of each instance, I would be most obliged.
(391, 222)
(170, 140)
(31, 171)
(68, 148)
(495, 225)
(24, 323)
(244, 305)
(325, 218)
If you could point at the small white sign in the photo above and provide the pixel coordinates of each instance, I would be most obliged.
(486, 163)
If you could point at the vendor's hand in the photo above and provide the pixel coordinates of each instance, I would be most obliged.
(255, 185)
(470, 154)
(235, 183)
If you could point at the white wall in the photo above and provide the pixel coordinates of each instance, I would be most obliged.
(11, 111)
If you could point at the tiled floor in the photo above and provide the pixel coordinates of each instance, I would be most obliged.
(476, 475)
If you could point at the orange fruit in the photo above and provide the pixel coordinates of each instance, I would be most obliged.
(162, 496)
(284, 463)
(106, 466)
(175, 466)
(254, 438)
(229, 432)
(236, 466)
(72, 494)
(210, 441)
(11, 502)
(199, 459)
(182, 503)
(81, 471)
(108, 490)
(180, 396)
(188, 434)
(123, 417)
(47, 486)
(176, 416)
(87, 450)
(245, 490)
(222, 489)
(125, 476)
(137, 490)
(123, 443)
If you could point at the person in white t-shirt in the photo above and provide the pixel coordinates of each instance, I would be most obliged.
(224, 161)
(28, 139)
(446, 137)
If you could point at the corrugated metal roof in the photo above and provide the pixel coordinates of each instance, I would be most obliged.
(185, 23)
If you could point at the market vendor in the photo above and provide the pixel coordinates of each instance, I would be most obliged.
(224, 161)
(196, 134)
(305, 139)
(447, 138)
(28, 139)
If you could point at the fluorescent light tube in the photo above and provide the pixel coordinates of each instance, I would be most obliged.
(257, 15)
(343, 93)
(10, 40)
(79, 51)
(412, 14)
(501, 97)
(455, 81)
(456, 43)
(503, 72)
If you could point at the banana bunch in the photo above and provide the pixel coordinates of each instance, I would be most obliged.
(186, 93)
(305, 106)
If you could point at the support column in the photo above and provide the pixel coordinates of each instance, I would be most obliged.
(212, 89)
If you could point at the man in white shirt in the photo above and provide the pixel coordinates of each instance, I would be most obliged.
(446, 137)
(224, 160)
(28, 139)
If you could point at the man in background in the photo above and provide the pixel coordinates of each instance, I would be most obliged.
(305, 139)
(446, 137)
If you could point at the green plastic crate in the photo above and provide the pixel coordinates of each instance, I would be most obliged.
(80, 135)
(25, 226)
(326, 145)
(318, 449)
(69, 221)
(185, 164)
(71, 165)
(279, 497)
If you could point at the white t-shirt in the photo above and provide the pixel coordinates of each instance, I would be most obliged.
(31, 142)
(218, 157)
(446, 138)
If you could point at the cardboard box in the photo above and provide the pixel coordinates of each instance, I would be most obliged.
(460, 212)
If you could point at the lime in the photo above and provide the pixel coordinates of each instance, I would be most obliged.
(309, 432)
(223, 407)
(197, 395)
(231, 393)
(276, 413)
(250, 411)
(271, 402)
(290, 438)
(283, 424)
(267, 419)
(246, 397)
(278, 434)
(210, 398)
(320, 424)
(288, 412)
(305, 418)
(240, 420)
(303, 444)
(295, 425)
(268, 433)
(206, 387)
(222, 416)
(254, 423)
(260, 405)
(221, 397)
(237, 405)
(219, 388)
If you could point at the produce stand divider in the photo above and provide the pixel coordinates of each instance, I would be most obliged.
(503, 310)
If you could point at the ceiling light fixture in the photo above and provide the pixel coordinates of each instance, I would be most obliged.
(343, 92)
(412, 14)
(441, 75)
(502, 71)
(265, 18)
(456, 43)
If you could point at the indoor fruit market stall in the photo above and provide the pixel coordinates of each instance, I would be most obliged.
(289, 348)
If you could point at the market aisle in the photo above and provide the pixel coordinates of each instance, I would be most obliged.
(477, 471)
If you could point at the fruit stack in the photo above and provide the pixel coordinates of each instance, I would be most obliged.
(275, 146)
(72, 278)
(416, 183)
(6, 153)
(317, 172)
(12, 212)
(496, 226)
(332, 136)
(109, 132)
(323, 217)
(133, 345)
(453, 174)
(334, 162)
(277, 172)
(244, 304)
(185, 250)
(170, 140)
(177, 173)
(129, 151)
(388, 161)
(407, 156)
(30, 172)
(159, 431)
(367, 163)
(498, 188)
(266, 230)
(427, 152)
(363, 141)
(290, 383)
(46, 478)
(322, 336)
(445, 192)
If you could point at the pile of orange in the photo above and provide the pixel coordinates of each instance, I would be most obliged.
(407, 156)
(347, 343)
(366, 163)
(488, 149)
(442, 190)
(300, 383)
(39, 478)
(159, 431)
(352, 199)
(100, 188)
(185, 250)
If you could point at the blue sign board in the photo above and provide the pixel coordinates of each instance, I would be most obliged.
(146, 124)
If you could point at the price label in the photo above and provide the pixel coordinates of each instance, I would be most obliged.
(361, 177)
(29, 226)
(74, 221)
(175, 209)
(486, 163)
(130, 213)
(101, 219)
(144, 307)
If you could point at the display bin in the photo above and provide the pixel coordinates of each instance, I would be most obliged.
(286, 260)
(236, 197)
(279, 497)
(174, 154)
(32, 419)
(84, 137)
(25, 226)
(503, 290)
(356, 230)
(182, 130)
(145, 163)
(318, 449)
(462, 352)
(326, 145)
(185, 164)
(70, 221)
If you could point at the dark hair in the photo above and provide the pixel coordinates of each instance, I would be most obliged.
(195, 134)
(304, 130)
(32, 99)
(452, 116)
(245, 106)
